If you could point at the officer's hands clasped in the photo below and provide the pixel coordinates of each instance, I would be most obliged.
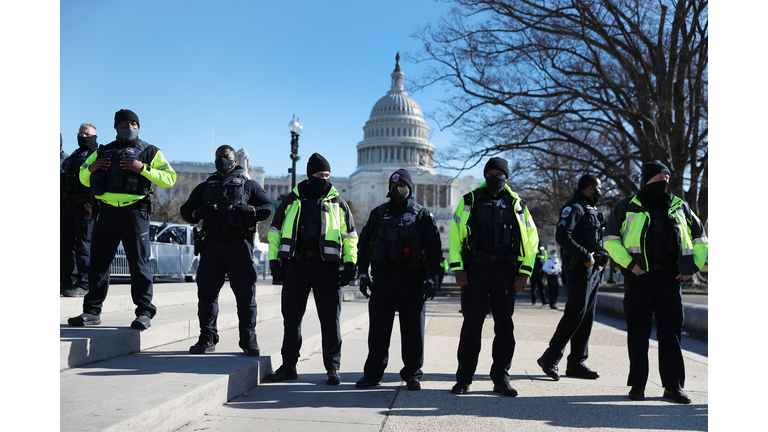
(365, 285)
(277, 270)
(243, 211)
(100, 164)
(430, 288)
(208, 211)
(346, 275)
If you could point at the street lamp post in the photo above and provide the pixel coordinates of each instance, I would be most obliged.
(295, 129)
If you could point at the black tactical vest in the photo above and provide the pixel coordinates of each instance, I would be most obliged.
(75, 190)
(310, 225)
(493, 225)
(589, 231)
(225, 192)
(661, 239)
(397, 242)
(115, 179)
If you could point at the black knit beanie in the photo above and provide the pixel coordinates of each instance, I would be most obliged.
(124, 115)
(650, 169)
(403, 176)
(497, 163)
(317, 163)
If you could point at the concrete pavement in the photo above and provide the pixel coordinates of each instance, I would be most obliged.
(542, 405)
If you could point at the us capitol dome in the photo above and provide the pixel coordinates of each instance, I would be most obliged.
(396, 135)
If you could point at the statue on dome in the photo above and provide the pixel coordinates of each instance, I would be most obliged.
(244, 161)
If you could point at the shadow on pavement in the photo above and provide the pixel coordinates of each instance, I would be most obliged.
(480, 406)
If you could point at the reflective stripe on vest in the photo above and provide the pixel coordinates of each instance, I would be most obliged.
(635, 227)
(330, 226)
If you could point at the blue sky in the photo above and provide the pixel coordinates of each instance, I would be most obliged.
(236, 72)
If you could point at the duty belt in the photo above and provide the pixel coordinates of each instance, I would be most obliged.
(226, 237)
(142, 204)
(390, 267)
(483, 258)
(667, 267)
(306, 254)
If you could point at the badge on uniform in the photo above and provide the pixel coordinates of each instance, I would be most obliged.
(566, 212)
(408, 217)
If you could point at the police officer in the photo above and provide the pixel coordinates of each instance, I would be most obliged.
(120, 175)
(658, 242)
(402, 245)
(312, 246)
(76, 222)
(536, 282)
(580, 235)
(492, 248)
(552, 268)
(230, 205)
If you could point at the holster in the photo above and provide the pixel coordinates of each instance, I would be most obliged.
(601, 258)
(199, 238)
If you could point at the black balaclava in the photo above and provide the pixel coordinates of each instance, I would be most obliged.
(315, 164)
(655, 193)
(496, 183)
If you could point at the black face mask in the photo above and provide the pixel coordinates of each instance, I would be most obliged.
(318, 185)
(399, 192)
(495, 183)
(596, 195)
(224, 166)
(86, 142)
(656, 193)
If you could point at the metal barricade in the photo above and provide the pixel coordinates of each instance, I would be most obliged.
(166, 260)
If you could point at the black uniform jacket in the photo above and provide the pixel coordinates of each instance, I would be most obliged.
(570, 233)
(258, 198)
(425, 224)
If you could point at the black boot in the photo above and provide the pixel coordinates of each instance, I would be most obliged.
(206, 343)
(252, 350)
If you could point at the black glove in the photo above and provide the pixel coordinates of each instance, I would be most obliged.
(365, 285)
(430, 288)
(242, 211)
(346, 275)
(277, 270)
(208, 211)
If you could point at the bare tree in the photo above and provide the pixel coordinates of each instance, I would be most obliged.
(602, 84)
(168, 201)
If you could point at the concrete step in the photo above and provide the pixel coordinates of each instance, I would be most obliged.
(114, 337)
(165, 294)
(163, 388)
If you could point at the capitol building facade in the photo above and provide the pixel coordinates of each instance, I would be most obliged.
(395, 136)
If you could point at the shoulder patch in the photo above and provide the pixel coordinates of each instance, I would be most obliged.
(566, 212)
